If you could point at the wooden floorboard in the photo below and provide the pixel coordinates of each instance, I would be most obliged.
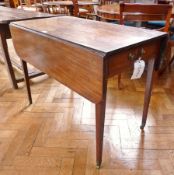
(56, 134)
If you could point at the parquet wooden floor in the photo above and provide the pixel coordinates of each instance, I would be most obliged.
(56, 134)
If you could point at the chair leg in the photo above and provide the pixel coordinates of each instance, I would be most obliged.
(168, 60)
(4, 46)
(120, 85)
(170, 63)
(168, 56)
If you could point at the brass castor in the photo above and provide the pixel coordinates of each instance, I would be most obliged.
(142, 126)
(98, 165)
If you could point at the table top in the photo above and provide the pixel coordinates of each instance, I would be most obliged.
(100, 37)
(70, 3)
(8, 15)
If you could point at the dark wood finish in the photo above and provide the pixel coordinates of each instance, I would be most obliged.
(100, 119)
(8, 15)
(83, 59)
(164, 1)
(75, 8)
(92, 90)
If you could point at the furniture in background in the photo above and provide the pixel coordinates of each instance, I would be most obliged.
(146, 13)
(169, 55)
(8, 15)
(85, 55)
(72, 6)
(77, 11)
(104, 2)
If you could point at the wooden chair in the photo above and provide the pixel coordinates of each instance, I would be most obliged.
(79, 12)
(144, 13)
(169, 55)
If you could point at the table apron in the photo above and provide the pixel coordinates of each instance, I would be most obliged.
(121, 61)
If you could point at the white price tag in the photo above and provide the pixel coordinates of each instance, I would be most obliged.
(139, 66)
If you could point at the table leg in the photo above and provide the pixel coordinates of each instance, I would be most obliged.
(27, 80)
(148, 91)
(100, 119)
(8, 63)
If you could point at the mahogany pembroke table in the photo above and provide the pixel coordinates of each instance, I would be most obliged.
(82, 54)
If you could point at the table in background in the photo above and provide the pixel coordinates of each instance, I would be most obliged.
(84, 55)
(69, 4)
(8, 15)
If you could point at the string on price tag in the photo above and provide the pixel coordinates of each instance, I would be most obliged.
(139, 66)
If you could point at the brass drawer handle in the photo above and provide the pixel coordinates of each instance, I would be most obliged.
(135, 56)
(131, 57)
(142, 52)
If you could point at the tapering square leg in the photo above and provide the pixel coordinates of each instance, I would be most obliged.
(148, 90)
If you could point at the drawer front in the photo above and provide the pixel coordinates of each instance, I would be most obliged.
(124, 60)
(76, 67)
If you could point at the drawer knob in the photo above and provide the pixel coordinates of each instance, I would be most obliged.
(133, 57)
